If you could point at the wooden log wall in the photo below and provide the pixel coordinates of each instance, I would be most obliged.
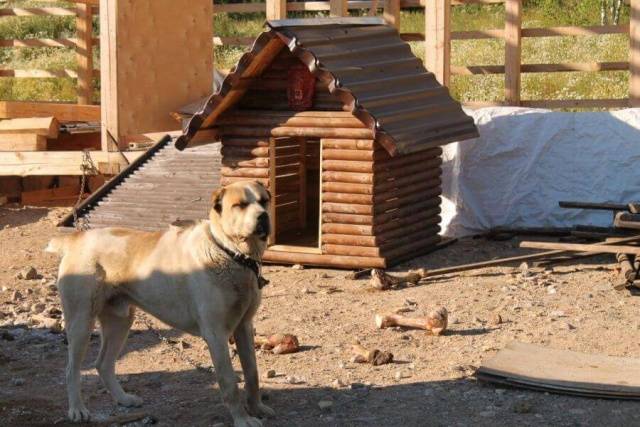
(378, 206)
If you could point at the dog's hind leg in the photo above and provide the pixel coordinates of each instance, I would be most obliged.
(246, 351)
(114, 331)
(78, 296)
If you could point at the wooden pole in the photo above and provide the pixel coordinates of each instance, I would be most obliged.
(438, 39)
(84, 53)
(391, 13)
(338, 8)
(634, 54)
(512, 51)
(276, 9)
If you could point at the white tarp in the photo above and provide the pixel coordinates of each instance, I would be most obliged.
(526, 161)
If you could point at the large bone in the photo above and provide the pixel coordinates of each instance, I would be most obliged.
(435, 322)
(383, 281)
(278, 343)
(375, 356)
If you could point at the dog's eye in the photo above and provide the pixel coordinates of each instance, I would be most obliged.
(263, 202)
(241, 205)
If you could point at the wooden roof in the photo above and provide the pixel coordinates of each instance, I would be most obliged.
(368, 67)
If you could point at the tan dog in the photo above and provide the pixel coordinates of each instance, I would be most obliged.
(200, 279)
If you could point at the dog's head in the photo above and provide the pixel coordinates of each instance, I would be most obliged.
(242, 211)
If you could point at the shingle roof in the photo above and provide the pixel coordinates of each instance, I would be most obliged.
(368, 67)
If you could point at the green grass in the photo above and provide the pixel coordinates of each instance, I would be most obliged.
(537, 13)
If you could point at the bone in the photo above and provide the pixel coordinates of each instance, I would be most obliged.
(383, 281)
(375, 356)
(278, 343)
(435, 322)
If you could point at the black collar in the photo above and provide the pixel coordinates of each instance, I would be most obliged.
(244, 261)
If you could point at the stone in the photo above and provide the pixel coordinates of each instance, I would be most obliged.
(487, 414)
(557, 313)
(16, 296)
(292, 379)
(551, 290)
(37, 307)
(399, 375)
(271, 373)
(337, 383)
(297, 267)
(18, 382)
(325, 404)
(28, 273)
(5, 289)
(522, 407)
(524, 270)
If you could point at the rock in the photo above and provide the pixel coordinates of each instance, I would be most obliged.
(16, 296)
(487, 414)
(551, 290)
(297, 267)
(337, 383)
(5, 289)
(49, 323)
(325, 404)
(28, 273)
(53, 312)
(495, 319)
(292, 379)
(557, 313)
(522, 407)
(271, 373)
(399, 375)
(568, 326)
(524, 270)
(18, 382)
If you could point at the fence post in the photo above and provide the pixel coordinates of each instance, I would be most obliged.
(512, 51)
(438, 39)
(391, 13)
(276, 9)
(634, 56)
(84, 52)
(338, 8)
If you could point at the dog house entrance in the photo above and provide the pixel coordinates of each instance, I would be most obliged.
(294, 165)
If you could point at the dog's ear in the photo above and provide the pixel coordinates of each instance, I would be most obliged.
(216, 199)
(265, 188)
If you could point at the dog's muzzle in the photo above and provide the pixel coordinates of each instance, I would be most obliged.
(263, 225)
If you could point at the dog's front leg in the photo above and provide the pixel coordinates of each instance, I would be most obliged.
(247, 354)
(219, 349)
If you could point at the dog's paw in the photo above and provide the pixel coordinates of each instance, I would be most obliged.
(79, 414)
(247, 422)
(261, 411)
(130, 400)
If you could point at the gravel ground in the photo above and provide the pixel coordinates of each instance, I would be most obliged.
(572, 306)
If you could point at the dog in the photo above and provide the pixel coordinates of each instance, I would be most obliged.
(203, 280)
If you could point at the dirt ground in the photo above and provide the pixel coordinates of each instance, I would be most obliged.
(574, 307)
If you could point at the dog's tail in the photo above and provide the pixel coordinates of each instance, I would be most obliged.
(58, 245)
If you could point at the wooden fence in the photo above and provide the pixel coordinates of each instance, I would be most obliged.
(438, 37)
(83, 43)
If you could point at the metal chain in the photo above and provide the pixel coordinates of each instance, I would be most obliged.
(173, 346)
(87, 167)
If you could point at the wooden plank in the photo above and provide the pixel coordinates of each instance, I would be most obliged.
(239, 7)
(44, 126)
(276, 9)
(391, 14)
(496, 33)
(337, 261)
(338, 8)
(562, 370)
(22, 142)
(233, 41)
(302, 174)
(437, 39)
(38, 11)
(84, 53)
(634, 54)
(62, 112)
(581, 247)
(513, 51)
(24, 163)
(66, 195)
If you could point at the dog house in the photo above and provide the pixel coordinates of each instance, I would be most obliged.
(344, 125)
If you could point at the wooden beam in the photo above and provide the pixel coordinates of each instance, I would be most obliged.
(338, 8)
(62, 112)
(513, 51)
(437, 39)
(574, 31)
(634, 54)
(391, 13)
(276, 9)
(581, 247)
(44, 126)
(84, 53)
(23, 142)
(23, 163)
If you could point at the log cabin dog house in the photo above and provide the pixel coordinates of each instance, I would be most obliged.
(337, 118)
(344, 125)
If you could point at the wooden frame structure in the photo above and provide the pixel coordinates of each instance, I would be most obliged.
(354, 175)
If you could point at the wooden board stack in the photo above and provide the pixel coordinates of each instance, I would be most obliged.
(27, 134)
